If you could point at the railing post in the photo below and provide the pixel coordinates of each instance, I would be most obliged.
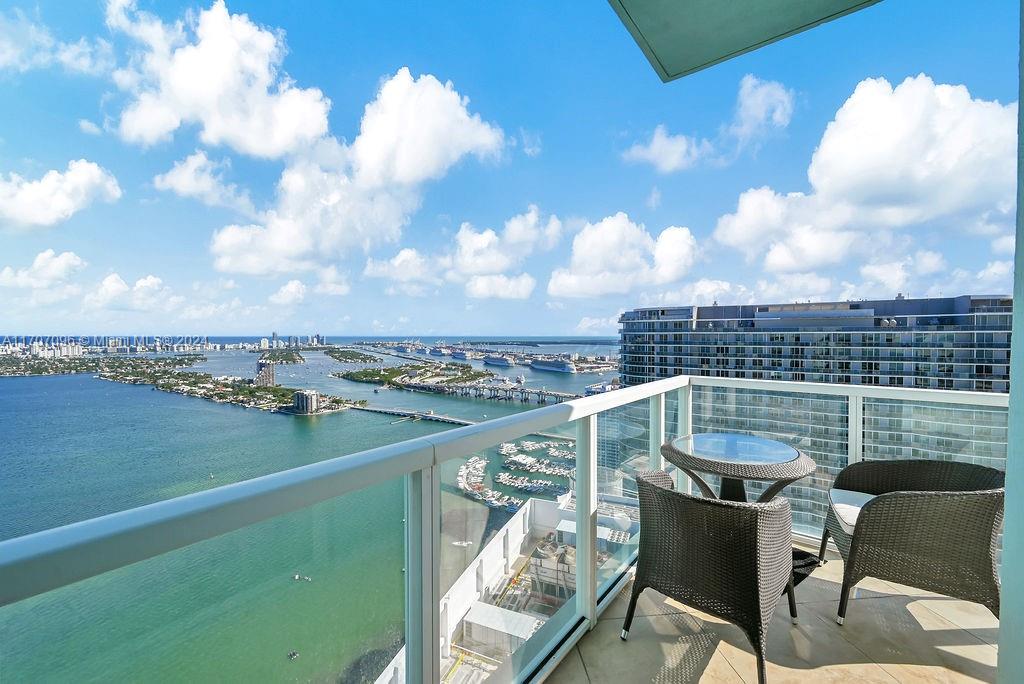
(423, 577)
(656, 431)
(586, 519)
(684, 421)
(855, 428)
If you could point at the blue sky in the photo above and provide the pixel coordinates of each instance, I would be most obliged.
(399, 168)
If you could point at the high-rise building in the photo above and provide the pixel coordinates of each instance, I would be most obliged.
(264, 374)
(958, 343)
(264, 343)
(306, 401)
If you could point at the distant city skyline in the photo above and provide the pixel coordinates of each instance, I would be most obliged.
(228, 168)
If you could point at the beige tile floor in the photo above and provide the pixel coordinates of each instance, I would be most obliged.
(892, 634)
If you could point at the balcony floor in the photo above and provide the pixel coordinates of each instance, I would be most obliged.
(892, 633)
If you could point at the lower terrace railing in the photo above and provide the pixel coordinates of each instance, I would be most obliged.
(398, 563)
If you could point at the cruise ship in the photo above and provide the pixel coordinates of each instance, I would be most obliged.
(556, 365)
(465, 354)
(499, 360)
(440, 351)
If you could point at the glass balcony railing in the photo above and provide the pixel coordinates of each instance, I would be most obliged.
(479, 553)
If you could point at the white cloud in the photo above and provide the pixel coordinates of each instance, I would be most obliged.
(487, 252)
(56, 196)
(793, 287)
(598, 326)
(615, 255)
(416, 129)
(700, 292)
(47, 269)
(927, 262)
(667, 152)
(198, 177)
(337, 198)
(760, 107)
(500, 286)
(292, 292)
(916, 154)
(26, 45)
(332, 283)
(147, 294)
(891, 276)
(220, 72)
(88, 127)
(1004, 244)
(409, 271)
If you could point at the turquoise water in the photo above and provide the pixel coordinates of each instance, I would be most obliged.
(228, 609)
(223, 610)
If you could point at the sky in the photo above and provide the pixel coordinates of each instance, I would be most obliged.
(395, 168)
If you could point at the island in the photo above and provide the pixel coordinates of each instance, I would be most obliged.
(346, 355)
(167, 374)
(282, 356)
(420, 375)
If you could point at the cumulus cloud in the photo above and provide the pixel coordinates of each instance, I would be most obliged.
(917, 154)
(416, 129)
(409, 271)
(761, 106)
(27, 45)
(338, 197)
(615, 255)
(292, 292)
(500, 286)
(220, 72)
(56, 196)
(147, 294)
(46, 270)
(667, 152)
(198, 177)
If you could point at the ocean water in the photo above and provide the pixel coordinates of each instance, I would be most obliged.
(227, 609)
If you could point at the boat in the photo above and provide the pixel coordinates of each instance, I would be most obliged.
(553, 364)
(499, 360)
(465, 354)
(520, 379)
(440, 351)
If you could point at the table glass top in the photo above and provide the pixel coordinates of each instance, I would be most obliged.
(733, 448)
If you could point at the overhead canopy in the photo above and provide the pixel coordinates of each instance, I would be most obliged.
(680, 37)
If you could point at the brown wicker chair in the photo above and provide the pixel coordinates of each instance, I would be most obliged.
(929, 524)
(732, 560)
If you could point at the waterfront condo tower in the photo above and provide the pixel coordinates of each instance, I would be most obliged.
(958, 343)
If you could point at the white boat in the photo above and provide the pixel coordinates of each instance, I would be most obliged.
(499, 360)
(555, 365)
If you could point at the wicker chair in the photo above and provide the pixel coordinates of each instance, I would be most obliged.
(732, 560)
(927, 524)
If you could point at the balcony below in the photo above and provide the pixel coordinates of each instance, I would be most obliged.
(892, 633)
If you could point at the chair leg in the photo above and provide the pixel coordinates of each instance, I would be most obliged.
(762, 674)
(791, 593)
(824, 548)
(844, 596)
(629, 611)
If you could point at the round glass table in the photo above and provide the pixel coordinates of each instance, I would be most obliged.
(736, 458)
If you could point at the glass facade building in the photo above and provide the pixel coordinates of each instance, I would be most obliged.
(955, 343)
